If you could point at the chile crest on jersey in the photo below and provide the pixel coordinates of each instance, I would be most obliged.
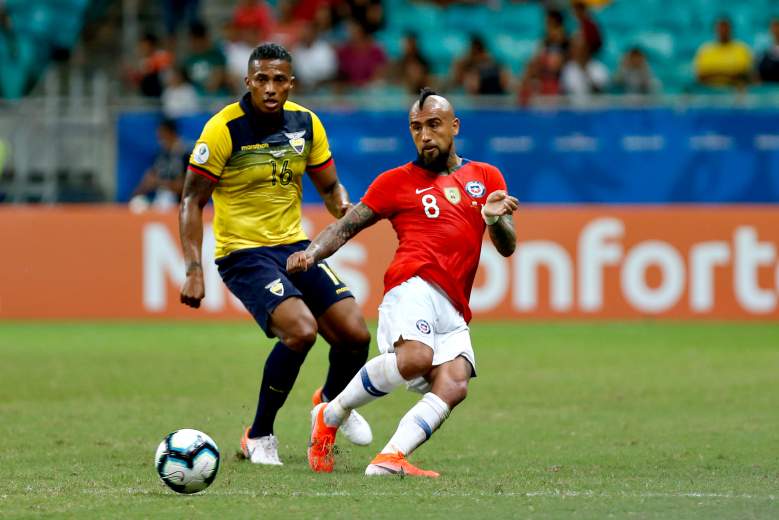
(475, 189)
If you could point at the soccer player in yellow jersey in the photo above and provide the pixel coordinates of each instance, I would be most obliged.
(251, 158)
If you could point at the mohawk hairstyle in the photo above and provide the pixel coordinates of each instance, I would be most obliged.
(270, 51)
(425, 93)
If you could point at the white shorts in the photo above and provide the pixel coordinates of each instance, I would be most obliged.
(420, 311)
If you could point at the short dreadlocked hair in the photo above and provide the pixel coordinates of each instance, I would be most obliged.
(270, 51)
(425, 93)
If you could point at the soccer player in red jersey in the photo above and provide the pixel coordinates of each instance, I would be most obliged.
(439, 206)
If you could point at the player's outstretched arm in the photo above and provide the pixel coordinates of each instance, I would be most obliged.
(333, 193)
(332, 238)
(197, 191)
(497, 213)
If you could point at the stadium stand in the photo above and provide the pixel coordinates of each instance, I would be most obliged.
(35, 33)
(667, 31)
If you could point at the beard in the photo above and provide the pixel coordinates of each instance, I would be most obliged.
(438, 163)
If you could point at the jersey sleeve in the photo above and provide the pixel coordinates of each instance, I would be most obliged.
(320, 156)
(212, 150)
(494, 180)
(380, 196)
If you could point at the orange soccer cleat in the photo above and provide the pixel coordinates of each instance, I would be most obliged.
(317, 397)
(396, 464)
(355, 427)
(322, 442)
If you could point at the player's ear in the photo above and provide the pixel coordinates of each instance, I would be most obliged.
(246, 82)
(292, 82)
(455, 126)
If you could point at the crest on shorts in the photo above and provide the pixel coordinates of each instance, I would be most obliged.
(296, 140)
(423, 326)
(276, 287)
(452, 194)
(475, 189)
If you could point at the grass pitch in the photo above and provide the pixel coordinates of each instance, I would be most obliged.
(639, 420)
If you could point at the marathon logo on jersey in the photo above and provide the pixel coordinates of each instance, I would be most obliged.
(201, 153)
(423, 326)
(475, 189)
(276, 287)
(296, 140)
(452, 195)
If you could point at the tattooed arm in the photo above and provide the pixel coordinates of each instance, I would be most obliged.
(500, 205)
(332, 238)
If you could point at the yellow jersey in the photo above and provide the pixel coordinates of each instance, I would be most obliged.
(259, 171)
(724, 61)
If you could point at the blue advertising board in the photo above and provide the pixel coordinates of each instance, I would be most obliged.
(548, 156)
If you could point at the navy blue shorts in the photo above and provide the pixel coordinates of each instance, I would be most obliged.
(258, 277)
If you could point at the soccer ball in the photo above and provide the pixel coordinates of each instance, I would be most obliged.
(187, 461)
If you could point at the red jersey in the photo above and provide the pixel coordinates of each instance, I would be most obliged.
(438, 222)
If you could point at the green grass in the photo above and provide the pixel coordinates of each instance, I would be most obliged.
(639, 420)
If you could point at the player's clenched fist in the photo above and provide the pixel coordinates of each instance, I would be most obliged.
(299, 261)
(194, 289)
(499, 203)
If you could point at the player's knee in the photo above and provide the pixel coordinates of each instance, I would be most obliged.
(359, 337)
(301, 336)
(414, 359)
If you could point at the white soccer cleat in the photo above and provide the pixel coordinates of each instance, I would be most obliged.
(356, 429)
(262, 450)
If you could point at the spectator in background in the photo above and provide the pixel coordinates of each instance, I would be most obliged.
(255, 16)
(769, 63)
(288, 29)
(307, 10)
(368, 13)
(178, 12)
(587, 26)
(327, 27)
(161, 184)
(725, 62)
(154, 61)
(205, 66)
(634, 75)
(542, 73)
(411, 68)
(583, 76)
(361, 60)
(179, 97)
(478, 72)
(314, 60)
(238, 45)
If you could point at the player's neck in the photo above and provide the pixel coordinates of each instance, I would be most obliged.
(268, 119)
(453, 163)
(262, 121)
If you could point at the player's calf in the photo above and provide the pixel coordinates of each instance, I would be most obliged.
(418, 425)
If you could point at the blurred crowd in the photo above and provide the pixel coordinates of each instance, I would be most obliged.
(335, 51)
